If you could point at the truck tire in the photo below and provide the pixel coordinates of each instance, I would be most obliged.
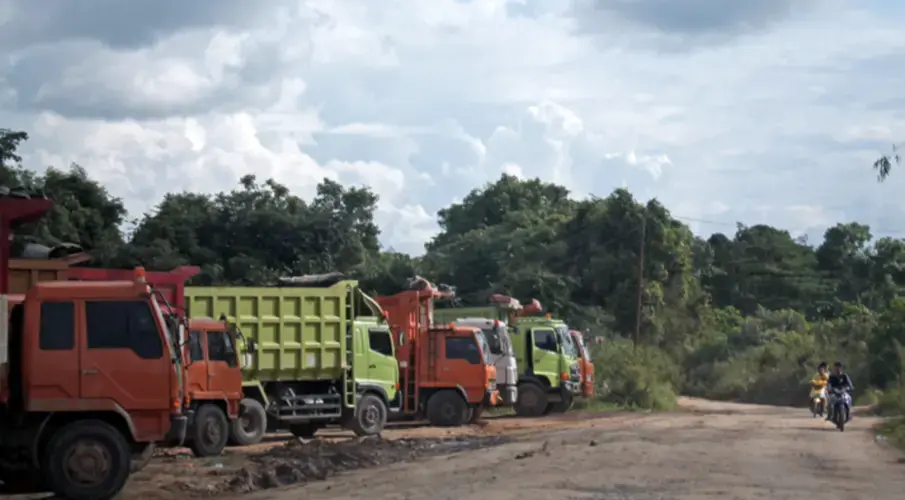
(209, 431)
(251, 425)
(447, 409)
(475, 414)
(370, 416)
(532, 400)
(141, 459)
(73, 450)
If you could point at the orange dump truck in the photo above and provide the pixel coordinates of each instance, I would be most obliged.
(445, 371)
(90, 378)
(213, 380)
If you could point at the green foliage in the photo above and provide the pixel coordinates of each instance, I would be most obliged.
(642, 377)
(744, 316)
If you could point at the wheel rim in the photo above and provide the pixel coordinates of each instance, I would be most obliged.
(212, 433)
(448, 411)
(370, 417)
(248, 422)
(87, 462)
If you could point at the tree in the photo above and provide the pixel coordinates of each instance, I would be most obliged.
(883, 165)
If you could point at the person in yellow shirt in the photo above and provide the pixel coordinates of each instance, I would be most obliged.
(818, 388)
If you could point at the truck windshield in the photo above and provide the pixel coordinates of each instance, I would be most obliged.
(568, 346)
(483, 344)
(498, 340)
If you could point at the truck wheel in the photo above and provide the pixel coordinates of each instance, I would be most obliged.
(304, 431)
(447, 409)
(370, 416)
(209, 431)
(141, 459)
(87, 460)
(532, 401)
(251, 425)
(475, 414)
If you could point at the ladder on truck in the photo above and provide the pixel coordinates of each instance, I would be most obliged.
(349, 392)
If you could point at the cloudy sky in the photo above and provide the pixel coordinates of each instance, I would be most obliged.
(768, 111)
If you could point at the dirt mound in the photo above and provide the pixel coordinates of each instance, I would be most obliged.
(302, 462)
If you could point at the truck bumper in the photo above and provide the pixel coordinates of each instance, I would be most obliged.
(179, 425)
(508, 394)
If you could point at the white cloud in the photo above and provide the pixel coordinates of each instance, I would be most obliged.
(719, 110)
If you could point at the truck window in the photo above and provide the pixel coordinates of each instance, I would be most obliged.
(493, 340)
(220, 348)
(123, 324)
(380, 341)
(196, 353)
(57, 326)
(545, 339)
(463, 348)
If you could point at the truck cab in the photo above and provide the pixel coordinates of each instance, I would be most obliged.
(549, 377)
(93, 378)
(494, 321)
(213, 384)
(586, 364)
(447, 374)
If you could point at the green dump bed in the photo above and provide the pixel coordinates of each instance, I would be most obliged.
(450, 315)
(300, 332)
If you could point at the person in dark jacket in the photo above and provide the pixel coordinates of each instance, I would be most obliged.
(838, 380)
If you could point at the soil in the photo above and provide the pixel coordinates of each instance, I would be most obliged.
(706, 451)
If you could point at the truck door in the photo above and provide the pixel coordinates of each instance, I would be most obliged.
(464, 366)
(56, 356)
(196, 371)
(223, 373)
(383, 368)
(544, 350)
(123, 358)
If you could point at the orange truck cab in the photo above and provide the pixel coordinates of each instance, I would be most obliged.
(213, 380)
(213, 384)
(585, 365)
(445, 373)
(90, 377)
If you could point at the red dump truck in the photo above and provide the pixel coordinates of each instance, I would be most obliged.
(90, 377)
(445, 371)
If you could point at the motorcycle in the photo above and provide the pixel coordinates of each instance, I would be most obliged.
(818, 400)
(842, 407)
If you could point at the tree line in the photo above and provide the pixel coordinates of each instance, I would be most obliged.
(742, 315)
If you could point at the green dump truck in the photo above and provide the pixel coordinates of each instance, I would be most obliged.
(550, 374)
(322, 355)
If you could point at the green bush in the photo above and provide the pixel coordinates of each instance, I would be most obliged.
(645, 377)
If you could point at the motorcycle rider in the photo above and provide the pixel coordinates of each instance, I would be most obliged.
(838, 379)
(819, 383)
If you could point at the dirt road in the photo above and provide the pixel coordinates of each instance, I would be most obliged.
(714, 451)
(708, 451)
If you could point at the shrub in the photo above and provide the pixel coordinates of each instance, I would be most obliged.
(645, 377)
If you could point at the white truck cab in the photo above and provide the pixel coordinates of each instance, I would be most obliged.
(501, 354)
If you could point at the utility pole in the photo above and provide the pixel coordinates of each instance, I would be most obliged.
(640, 298)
